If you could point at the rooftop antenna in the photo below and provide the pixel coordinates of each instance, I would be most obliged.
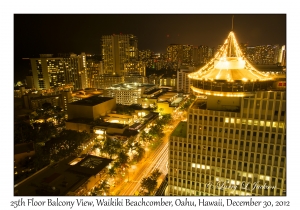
(232, 23)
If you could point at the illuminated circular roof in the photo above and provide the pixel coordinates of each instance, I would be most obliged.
(229, 64)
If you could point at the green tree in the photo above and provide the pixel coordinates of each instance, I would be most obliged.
(102, 189)
(111, 147)
(67, 143)
(43, 131)
(122, 162)
(23, 132)
(149, 184)
(145, 137)
(139, 152)
(112, 172)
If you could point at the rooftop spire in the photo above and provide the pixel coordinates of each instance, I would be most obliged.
(230, 64)
(232, 23)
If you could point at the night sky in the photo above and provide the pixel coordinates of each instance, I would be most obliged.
(35, 34)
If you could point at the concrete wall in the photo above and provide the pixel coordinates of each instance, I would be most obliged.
(223, 103)
(91, 112)
(78, 126)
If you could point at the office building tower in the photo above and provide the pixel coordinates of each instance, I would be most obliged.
(118, 50)
(234, 139)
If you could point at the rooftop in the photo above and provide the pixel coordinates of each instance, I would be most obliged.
(92, 101)
(90, 165)
(180, 130)
(230, 64)
(60, 178)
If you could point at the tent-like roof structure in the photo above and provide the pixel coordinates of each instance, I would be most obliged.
(229, 64)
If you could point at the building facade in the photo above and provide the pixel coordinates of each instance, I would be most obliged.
(183, 81)
(234, 140)
(118, 50)
(51, 72)
(125, 93)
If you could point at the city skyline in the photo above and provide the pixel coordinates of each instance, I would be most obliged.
(53, 33)
(36, 34)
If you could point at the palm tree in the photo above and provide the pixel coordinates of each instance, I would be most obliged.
(122, 161)
(139, 152)
(112, 172)
(149, 184)
(111, 147)
(144, 137)
(102, 189)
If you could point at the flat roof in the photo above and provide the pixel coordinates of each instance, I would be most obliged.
(91, 101)
(180, 130)
(62, 177)
(90, 165)
(152, 91)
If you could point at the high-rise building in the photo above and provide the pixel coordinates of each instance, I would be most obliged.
(50, 72)
(180, 54)
(183, 81)
(234, 139)
(118, 50)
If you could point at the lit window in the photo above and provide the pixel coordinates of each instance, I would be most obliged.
(281, 125)
(226, 120)
(275, 124)
(255, 122)
(238, 121)
(193, 165)
(232, 120)
(268, 124)
(249, 122)
(262, 123)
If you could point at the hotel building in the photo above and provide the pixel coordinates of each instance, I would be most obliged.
(234, 139)
(50, 72)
